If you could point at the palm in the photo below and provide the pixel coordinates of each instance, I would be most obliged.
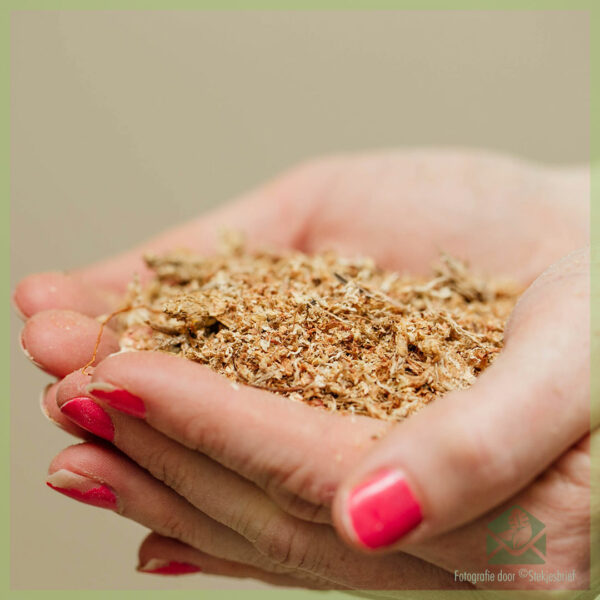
(402, 209)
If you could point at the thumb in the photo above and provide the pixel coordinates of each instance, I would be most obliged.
(473, 449)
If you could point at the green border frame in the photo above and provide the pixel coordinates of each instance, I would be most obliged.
(14, 5)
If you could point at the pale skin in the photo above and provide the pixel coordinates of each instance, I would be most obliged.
(245, 483)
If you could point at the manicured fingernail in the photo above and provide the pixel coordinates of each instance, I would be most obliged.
(89, 416)
(83, 489)
(383, 509)
(118, 399)
(160, 566)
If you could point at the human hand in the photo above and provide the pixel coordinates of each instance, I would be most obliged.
(39, 331)
(298, 456)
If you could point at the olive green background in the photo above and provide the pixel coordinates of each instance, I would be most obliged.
(123, 123)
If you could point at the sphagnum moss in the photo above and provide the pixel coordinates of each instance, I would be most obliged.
(333, 332)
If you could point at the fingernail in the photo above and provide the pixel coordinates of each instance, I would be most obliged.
(83, 489)
(26, 352)
(160, 566)
(43, 405)
(89, 416)
(383, 509)
(118, 399)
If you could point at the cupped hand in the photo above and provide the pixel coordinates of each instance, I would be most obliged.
(257, 473)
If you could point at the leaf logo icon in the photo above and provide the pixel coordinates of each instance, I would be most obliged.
(516, 537)
(520, 530)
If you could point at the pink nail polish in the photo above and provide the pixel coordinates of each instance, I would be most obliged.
(83, 489)
(118, 399)
(90, 416)
(159, 566)
(383, 509)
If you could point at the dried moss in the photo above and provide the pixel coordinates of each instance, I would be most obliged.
(333, 332)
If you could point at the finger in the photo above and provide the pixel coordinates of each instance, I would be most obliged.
(480, 446)
(99, 476)
(52, 412)
(61, 341)
(451, 551)
(160, 555)
(223, 495)
(177, 465)
(46, 291)
(264, 437)
(240, 507)
(237, 502)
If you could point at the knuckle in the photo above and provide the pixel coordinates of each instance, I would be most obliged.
(155, 460)
(204, 436)
(246, 522)
(174, 527)
(302, 509)
(272, 481)
(164, 462)
(299, 492)
(475, 452)
(276, 543)
(286, 543)
(176, 476)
